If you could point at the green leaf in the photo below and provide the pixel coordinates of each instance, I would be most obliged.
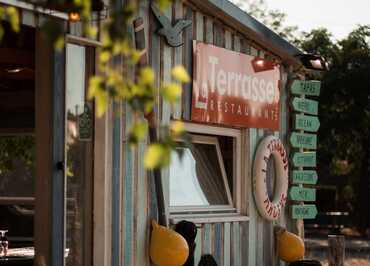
(146, 76)
(163, 4)
(180, 74)
(101, 100)
(171, 92)
(138, 132)
(95, 83)
(157, 155)
(177, 128)
(13, 18)
(59, 43)
(1, 33)
(104, 56)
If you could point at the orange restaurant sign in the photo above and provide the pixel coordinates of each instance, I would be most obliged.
(234, 89)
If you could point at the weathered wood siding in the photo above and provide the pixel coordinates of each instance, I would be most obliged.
(231, 243)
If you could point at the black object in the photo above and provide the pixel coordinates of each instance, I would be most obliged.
(313, 62)
(207, 260)
(189, 231)
(16, 261)
(171, 33)
(60, 166)
(306, 263)
(156, 173)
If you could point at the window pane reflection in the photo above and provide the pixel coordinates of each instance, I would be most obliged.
(196, 178)
(78, 158)
(17, 166)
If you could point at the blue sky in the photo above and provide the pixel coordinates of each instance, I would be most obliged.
(339, 16)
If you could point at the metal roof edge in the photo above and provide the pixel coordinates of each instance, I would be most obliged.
(258, 31)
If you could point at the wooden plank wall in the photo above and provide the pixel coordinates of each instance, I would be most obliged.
(231, 243)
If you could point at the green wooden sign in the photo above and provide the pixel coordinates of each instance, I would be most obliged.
(304, 159)
(302, 194)
(305, 122)
(306, 87)
(305, 106)
(85, 123)
(303, 140)
(304, 177)
(308, 211)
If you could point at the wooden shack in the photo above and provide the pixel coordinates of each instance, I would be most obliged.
(111, 197)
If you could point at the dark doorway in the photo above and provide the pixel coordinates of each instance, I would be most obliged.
(17, 142)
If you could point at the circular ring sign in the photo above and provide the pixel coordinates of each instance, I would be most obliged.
(270, 209)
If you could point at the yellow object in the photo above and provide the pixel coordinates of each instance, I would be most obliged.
(290, 246)
(167, 248)
(74, 16)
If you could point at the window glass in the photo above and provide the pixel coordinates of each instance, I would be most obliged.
(17, 165)
(198, 177)
(17, 161)
(78, 157)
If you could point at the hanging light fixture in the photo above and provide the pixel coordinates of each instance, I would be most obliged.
(313, 62)
(74, 16)
(260, 64)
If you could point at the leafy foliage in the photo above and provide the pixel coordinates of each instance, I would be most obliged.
(274, 19)
(344, 136)
(114, 83)
(21, 148)
(9, 14)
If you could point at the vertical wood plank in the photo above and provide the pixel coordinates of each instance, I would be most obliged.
(227, 245)
(206, 249)
(43, 142)
(254, 51)
(199, 20)
(154, 59)
(268, 249)
(228, 40)
(198, 246)
(253, 138)
(236, 244)
(284, 125)
(178, 51)
(218, 240)
(208, 30)
(142, 211)
(188, 63)
(236, 43)
(245, 47)
(260, 221)
(218, 36)
(58, 177)
(166, 66)
(244, 235)
(116, 163)
(128, 211)
(101, 228)
(144, 205)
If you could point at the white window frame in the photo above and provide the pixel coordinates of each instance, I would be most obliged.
(209, 140)
(216, 212)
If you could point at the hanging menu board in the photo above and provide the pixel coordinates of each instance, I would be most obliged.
(304, 141)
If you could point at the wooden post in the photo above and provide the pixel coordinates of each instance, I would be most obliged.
(336, 252)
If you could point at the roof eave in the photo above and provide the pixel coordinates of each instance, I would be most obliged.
(252, 28)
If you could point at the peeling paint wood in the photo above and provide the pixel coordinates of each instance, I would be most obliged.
(198, 246)
(209, 31)
(178, 54)
(227, 245)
